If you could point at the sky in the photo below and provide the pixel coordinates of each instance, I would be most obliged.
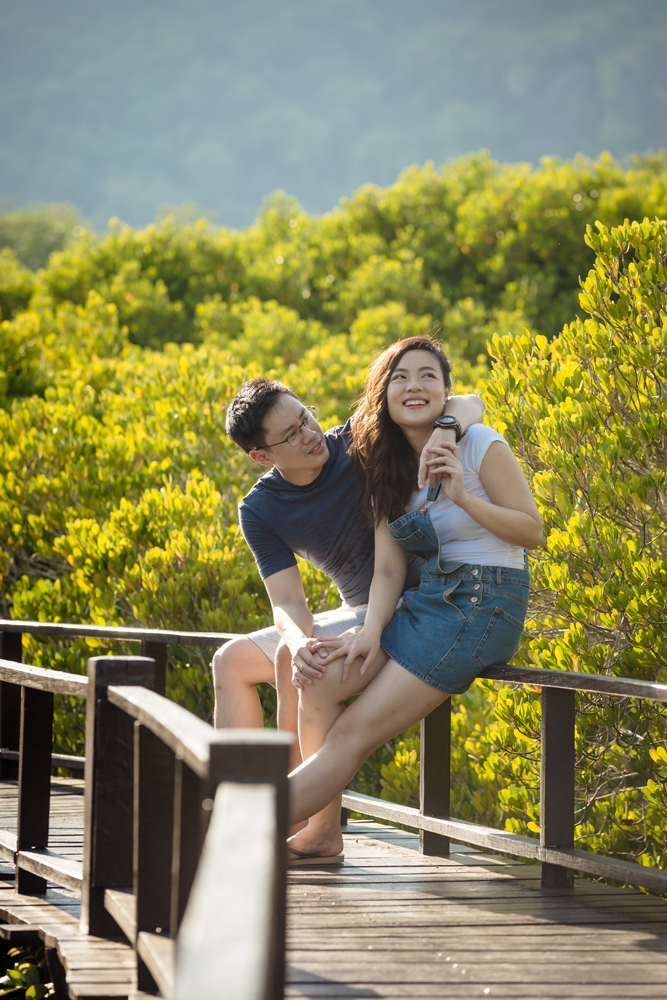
(120, 107)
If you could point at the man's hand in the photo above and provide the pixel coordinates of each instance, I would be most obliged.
(306, 665)
(363, 644)
(467, 410)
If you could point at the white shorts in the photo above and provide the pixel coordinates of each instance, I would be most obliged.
(327, 625)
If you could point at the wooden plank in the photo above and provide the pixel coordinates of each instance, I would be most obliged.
(557, 782)
(34, 789)
(121, 904)
(177, 728)
(157, 651)
(109, 804)
(157, 953)
(11, 648)
(452, 991)
(153, 829)
(187, 839)
(568, 680)
(434, 776)
(232, 943)
(65, 631)
(41, 679)
(509, 843)
(440, 971)
(47, 864)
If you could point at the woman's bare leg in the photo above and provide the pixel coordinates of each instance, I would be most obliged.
(320, 704)
(393, 701)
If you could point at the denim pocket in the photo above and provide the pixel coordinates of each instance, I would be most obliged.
(500, 640)
(507, 593)
(404, 538)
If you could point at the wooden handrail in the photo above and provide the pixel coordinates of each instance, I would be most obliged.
(180, 730)
(229, 947)
(41, 679)
(622, 687)
(115, 632)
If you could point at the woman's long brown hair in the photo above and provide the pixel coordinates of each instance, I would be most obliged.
(384, 459)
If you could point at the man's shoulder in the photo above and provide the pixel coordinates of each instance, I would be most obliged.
(260, 491)
(340, 436)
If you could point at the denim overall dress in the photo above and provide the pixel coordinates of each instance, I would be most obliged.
(460, 619)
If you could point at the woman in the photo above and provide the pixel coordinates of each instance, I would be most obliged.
(467, 613)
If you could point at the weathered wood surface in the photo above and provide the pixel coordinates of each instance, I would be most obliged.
(393, 924)
(67, 631)
(94, 967)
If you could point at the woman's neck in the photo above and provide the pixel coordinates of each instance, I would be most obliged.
(417, 437)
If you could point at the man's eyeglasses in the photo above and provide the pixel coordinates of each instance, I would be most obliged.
(296, 437)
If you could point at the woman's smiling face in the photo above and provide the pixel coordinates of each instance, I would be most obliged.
(416, 392)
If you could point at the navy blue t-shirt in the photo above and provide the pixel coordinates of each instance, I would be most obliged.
(320, 522)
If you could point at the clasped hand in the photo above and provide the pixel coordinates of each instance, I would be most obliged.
(306, 663)
(359, 645)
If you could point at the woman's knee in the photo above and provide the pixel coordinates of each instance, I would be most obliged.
(283, 663)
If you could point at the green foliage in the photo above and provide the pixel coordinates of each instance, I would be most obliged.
(586, 414)
(34, 233)
(16, 284)
(478, 247)
(400, 778)
(118, 486)
(26, 974)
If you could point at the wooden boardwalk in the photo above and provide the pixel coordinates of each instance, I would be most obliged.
(393, 924)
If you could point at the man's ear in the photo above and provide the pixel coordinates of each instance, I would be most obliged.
(260, 456)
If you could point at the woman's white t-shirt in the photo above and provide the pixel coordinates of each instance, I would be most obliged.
(462, 538)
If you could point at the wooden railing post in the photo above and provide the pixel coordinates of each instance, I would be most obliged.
(557, 782)
(34, 781)
(157, 651)
(434, 776)
(109, 803)
(187, 839)
(11, 644)
(153, 827)
(255, 761)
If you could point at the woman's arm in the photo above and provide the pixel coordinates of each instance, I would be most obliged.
(391, 562)
(391, 565)
(512, 514)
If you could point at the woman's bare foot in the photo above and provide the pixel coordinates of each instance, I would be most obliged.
(325, 843)
(292, 830)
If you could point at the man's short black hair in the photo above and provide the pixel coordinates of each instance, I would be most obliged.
(248, 408)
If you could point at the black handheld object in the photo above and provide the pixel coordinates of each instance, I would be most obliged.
(433, 492)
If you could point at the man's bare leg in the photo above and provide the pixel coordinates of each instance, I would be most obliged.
(238, 667)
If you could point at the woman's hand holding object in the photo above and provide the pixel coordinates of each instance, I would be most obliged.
(446, 465)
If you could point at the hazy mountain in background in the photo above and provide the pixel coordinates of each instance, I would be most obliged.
(119, 106)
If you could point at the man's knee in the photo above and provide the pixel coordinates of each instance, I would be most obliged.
(237, 662)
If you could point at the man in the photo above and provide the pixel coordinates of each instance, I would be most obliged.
(305, 505)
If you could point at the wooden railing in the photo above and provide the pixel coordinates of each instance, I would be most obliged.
(184, 827)
(555, 847)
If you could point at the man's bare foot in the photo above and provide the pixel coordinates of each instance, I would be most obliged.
(326, 843)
